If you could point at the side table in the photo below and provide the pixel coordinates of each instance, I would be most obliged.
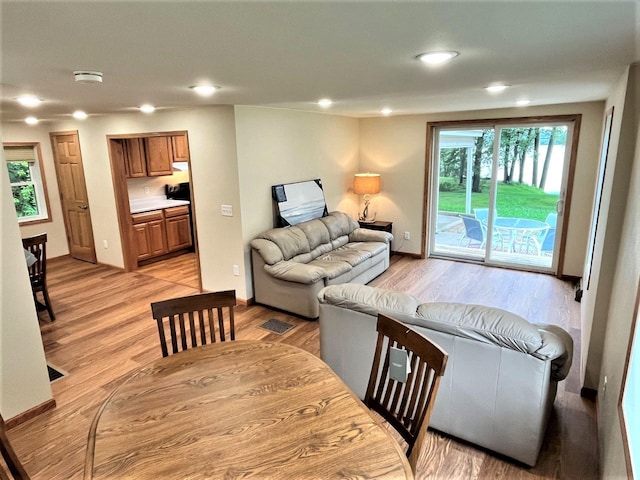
(379, 225)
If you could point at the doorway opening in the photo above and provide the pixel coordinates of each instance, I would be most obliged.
(500, 189)
(154, 200)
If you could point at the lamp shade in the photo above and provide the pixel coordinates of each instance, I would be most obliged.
(366, 183)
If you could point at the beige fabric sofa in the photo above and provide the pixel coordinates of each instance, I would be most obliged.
(292, 264)
(500, 383)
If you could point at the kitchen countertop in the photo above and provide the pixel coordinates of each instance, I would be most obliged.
(138, 205)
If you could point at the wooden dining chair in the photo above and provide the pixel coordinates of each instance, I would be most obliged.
(13, 469)
(405, 404)
(37, 246)
(188, 322)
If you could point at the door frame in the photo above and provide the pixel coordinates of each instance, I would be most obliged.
(67, 228)
(123, 208)
(431, 143)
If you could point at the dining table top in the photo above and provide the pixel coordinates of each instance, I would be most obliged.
(239, 409)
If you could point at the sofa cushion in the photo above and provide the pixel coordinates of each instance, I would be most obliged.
(374, 248)
(331, 268)
(343, 254)
(291, 240)
(484, 324)
(339, 224)
(316, 232)
(369, 300)
(296, 272)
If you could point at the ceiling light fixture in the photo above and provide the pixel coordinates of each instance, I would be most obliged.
(205, 90)
(386, 111)
(523, 102)
(437, 58)
(325, 102)
(87, 76)
(497, 88)
(29, 101)
(79, 115)
(31, 120)
(146, 108)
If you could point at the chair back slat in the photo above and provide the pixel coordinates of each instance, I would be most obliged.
(405, 405)
(16, 470)
(200, 328)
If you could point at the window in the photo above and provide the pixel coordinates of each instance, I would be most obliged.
(27, 181)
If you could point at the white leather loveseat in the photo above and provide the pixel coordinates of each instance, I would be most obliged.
(292, 264)
(501, 377)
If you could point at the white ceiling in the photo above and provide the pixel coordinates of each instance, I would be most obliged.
(290, 54)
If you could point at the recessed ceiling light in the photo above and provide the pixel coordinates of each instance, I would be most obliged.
(386, 111)
(325, 102)
(31, 120)
(205, 90)
(437, 58)
(146, 108)
(496, 88)
(79, 115)
(29, 100)
(523, 102)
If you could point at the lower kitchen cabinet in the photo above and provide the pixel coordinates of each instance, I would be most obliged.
(159, 232)
(178, 225)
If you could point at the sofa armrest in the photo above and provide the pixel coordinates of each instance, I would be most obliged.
(366, 235)
(269, 251)
(296, 272)
(557, 346)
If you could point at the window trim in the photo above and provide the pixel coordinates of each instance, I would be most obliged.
(43, 181)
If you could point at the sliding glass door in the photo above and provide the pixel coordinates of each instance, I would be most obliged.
(499, 194)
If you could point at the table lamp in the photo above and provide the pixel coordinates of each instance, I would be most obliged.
(366, 184)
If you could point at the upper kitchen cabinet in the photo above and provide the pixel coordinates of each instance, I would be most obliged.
(180, 148)
(135, 160)
(159, 156)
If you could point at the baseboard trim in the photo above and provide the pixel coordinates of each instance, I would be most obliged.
(31, 413)
(407, 254)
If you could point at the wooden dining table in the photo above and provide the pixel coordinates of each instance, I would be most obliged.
(243, 409)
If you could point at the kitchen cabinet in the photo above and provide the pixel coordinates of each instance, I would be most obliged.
(135, 159)
(180, 147)
(178, 226)
(162, 231)
(159, 153)
(150, 234)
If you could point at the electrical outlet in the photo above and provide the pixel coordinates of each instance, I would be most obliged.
(236, 270)
(407, 236)
(146, 190)
(227, 210)
(604, 384)
(105, 244)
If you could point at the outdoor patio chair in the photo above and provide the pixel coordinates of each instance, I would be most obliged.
(474, 231)
(552, 219)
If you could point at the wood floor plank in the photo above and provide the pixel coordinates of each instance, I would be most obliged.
(104, 331)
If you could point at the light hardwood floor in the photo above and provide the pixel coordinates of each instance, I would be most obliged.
(104, 330)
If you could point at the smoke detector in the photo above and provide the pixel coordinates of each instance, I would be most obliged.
(86, 76)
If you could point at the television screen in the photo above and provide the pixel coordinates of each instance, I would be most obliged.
(298, 202)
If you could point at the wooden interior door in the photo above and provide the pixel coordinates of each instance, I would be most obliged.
(73, 195)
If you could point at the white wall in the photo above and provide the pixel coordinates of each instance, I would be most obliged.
(608, 305)
(282, 146)
(396, 148)
(24, 382)
(54, 228)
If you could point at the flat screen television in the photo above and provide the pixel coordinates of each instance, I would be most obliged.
(298, 202)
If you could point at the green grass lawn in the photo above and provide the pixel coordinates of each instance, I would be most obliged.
(513, 200)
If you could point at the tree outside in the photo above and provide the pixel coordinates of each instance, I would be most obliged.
(23, 189)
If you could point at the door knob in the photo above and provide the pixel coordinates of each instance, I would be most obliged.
(83, 207)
